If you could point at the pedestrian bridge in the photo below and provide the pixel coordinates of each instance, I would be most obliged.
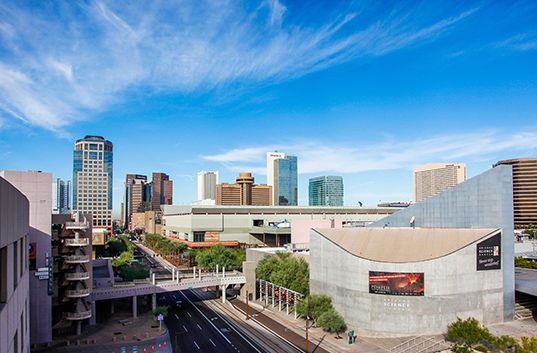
(177, 283)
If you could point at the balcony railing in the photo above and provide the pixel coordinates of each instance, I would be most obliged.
(76, 259)
(77, 276)
(77, 293)
(77, 242)
(76, 225)
(79, 315)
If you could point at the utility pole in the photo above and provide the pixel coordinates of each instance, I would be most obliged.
(247, 304)
(307, 340)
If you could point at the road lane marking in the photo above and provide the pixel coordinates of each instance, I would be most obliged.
(174, 296)
(177, 317)
(228, 341)
(200, 327)
(221, 318)
(212, 342)
(189, 314)
(196, 345)
(185, 329)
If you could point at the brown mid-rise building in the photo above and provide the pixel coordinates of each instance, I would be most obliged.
(244, 192)
(524, 189)
(162, 190)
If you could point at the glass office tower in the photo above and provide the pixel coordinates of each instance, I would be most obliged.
(93, 161)
(286, 181)
(326, 191)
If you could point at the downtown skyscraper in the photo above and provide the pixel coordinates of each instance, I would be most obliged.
(282, 175)
(326, 191)
(61, 196)
(207, 182)
(93, 161)
(162, 190)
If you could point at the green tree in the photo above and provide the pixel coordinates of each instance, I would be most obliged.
(293, 274)
(124, 259)
(468, 331)
(160, 310)
(524, 263)
(331, 321)
(314, 306)
(130, 273)
(217, 255)
(285, 270)
(116, 246)
(266, 266)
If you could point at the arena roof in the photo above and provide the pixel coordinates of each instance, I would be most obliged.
(403, 244)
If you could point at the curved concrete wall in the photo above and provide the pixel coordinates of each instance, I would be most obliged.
(452, 288)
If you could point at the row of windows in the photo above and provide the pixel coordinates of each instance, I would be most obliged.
(102, 222)
(19, 262)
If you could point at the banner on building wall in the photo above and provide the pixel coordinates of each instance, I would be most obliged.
(489, 253)
(396, 283)
(32, 256)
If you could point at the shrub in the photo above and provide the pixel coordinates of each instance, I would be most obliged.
(461, 348)
(481, 349)
(468, 331)
(331, 321)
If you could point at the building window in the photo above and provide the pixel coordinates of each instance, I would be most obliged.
(3, 274)
(15, 264)
(199, 236)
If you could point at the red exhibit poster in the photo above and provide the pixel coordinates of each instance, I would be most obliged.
(396, 283)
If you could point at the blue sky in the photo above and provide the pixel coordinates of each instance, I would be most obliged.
(363, 89)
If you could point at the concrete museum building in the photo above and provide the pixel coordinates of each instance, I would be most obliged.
(417, 270)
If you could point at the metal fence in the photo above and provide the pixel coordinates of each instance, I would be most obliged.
(277, 295)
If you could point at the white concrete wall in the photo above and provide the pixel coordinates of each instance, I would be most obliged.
(453, 288)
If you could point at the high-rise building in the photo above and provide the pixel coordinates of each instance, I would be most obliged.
(138, 199)
(61, 196)
(430, 179)
(271, 157)
(524, 189)
(206, 185)
(244, 192)
(282, 175)
(326, 191)
(138, 194)
(93, 163)
(162, 190)
(286, 181)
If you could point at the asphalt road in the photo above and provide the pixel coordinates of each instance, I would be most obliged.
(279, 330)
(200, 329)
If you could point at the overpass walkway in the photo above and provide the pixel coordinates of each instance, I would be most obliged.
(178, 282)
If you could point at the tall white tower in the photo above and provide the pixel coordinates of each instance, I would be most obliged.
(271, 157)
(207, 182)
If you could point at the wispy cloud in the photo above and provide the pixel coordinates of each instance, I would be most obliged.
(58, 66)
(522, 42)
(318, 157)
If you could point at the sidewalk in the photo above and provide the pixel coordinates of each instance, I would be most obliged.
(516, 329)
(112, 335)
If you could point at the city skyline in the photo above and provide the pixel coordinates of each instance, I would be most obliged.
(367, 92)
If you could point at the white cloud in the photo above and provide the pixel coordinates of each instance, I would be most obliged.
(319, 157)
(103, 50)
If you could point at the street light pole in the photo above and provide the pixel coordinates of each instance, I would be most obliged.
(307, 334)
(246, 304)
